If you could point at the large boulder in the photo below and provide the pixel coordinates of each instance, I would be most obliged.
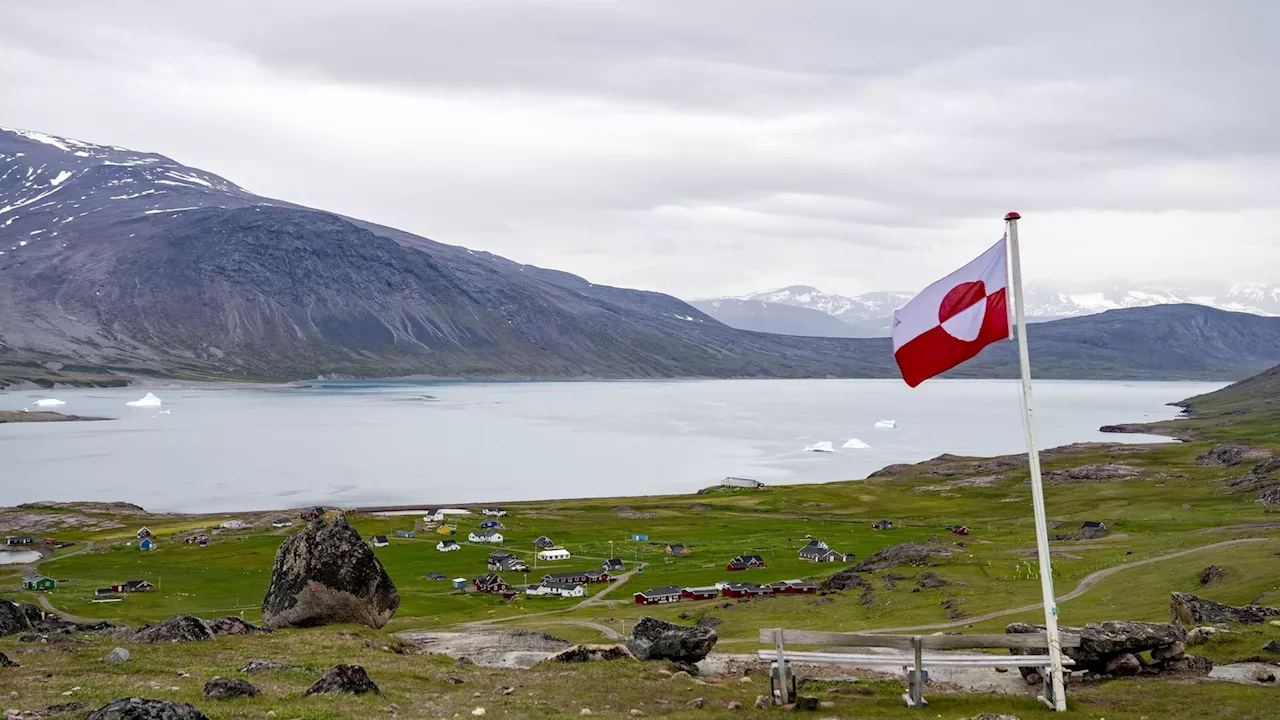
(220, 688)
(12, 619)
(179, 628)
(1191, 610)
(657, 640)
(144, 709)
(326, 574)
(1101, 643)
(344, 679)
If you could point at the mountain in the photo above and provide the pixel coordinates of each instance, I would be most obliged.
(772, 317)
(871, 313)
(115, 260)
(119, 259)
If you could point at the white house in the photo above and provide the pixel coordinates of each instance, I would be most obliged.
(485, 536)
(379, 541)
(433, 516)
(448, 546)
(281, 523)
(555, 554)
(494, 512)
(555, 588)
(233, 525)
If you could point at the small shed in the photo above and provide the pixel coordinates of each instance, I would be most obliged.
(496, 524)
(640, 537)
(959, 529)
(20, 540)
(459, 583)
(143, 533)
(446, 530)
(379, 541)
(494, 512)
(554, 554)
(147, 544)
(544, 543)
(613, 565)
(677, 551)
(282, 522)
(448, 546)
(405, 534)
(882, 525)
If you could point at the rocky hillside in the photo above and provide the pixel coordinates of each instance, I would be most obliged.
(119, 259)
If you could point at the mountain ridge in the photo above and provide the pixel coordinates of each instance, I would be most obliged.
(117, 261)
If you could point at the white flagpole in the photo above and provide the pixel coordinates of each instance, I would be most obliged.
(1054, 681)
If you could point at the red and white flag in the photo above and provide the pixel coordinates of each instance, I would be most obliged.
(953, 319)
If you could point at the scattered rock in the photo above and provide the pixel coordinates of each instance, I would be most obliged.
(636, 713)
(1191, 610)
(1124, 665)
(255, 666)
(1272, 646)
(1263, 674)
(697, 703)
(734, 705)
(144, 709)
(12, 619)
(5, 662)
(744, 680)
(508, 691)
(1210, 574)
(1228, 455)
(657, 640)
(1176, 651)
(61, 709)
(117, 655)
(627, 512)
(930, 580)
(806, 702)
(478, 712)
(993, 716)
(179, 628)
(327, 574)
(763, 702)
(846, 579)
(344, 679)
(592, 653)
(681, 675)
(904, 554)
(232, 625)
(1193, 664)
(709, 622)
(585, 711)
(1201, 635)
(220, 688)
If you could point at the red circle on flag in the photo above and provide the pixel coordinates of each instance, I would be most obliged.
(961, 298)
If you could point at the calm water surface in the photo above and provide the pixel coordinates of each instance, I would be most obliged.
(219, 449)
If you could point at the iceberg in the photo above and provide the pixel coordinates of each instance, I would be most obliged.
(147, 400)
(823, 446)
(48, 402)
(855, 444)
(887, 424)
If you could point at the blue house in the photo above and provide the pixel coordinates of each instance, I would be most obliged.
(640, 538)
(491, 524)
(147, 544)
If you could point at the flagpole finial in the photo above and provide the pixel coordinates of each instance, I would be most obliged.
(1012, 216)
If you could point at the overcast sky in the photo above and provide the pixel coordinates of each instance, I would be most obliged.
(706, 147)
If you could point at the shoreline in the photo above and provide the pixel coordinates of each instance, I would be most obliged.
(44, 416)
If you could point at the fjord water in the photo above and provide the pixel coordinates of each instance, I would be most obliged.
(392, 443)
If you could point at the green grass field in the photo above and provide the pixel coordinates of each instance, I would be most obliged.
(1173, 504)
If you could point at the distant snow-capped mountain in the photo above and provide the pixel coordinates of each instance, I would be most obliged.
(870, 313)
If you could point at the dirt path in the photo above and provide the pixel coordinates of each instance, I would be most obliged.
(606, 631)
(48, 606)
(1085, 585)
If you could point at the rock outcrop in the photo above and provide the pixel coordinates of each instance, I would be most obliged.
(144, 709)
(1210, 574)
(327, 574)
(930, 580)
(846, 579)
(12, 619)
(220, 688)
(1104, 646)
(232, 625)
(5, 662)
(904, 554)
(1091, 473)
(1191, 610)
(1229, 455)
(592, 653)
(255, 666)
(658, 640)
(344, 679)
(1263, 478)
(179, 628)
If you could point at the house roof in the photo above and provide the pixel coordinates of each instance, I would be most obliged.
(662, 591)
(490, 579)
(809, 551)
(379, 538)
(593, 573)
(560, 585)
(498, 554)
(552, 551)
(709, 589)
(136, 583)
(448, 542)
(753, 587)
(562, 575)
(750, 558)
(486, 533)
(614, 563)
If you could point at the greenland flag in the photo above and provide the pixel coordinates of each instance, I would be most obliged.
(953, 319)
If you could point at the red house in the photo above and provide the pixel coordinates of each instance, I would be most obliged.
(794, 587)
(659, 596)
(959, 529)
(700, 593)
(745, 562)
(745, 590)
(492, 583)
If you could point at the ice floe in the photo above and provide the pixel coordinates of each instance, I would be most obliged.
(887, 424)
(147, 400)
(49, 402)
(855, 444)
(821, 446)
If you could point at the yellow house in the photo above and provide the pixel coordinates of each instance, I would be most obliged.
(447, 530)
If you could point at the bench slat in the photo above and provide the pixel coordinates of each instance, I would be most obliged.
(903, 642)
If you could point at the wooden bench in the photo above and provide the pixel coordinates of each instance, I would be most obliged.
(913, 660)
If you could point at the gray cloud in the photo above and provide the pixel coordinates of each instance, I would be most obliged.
(707, 146)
